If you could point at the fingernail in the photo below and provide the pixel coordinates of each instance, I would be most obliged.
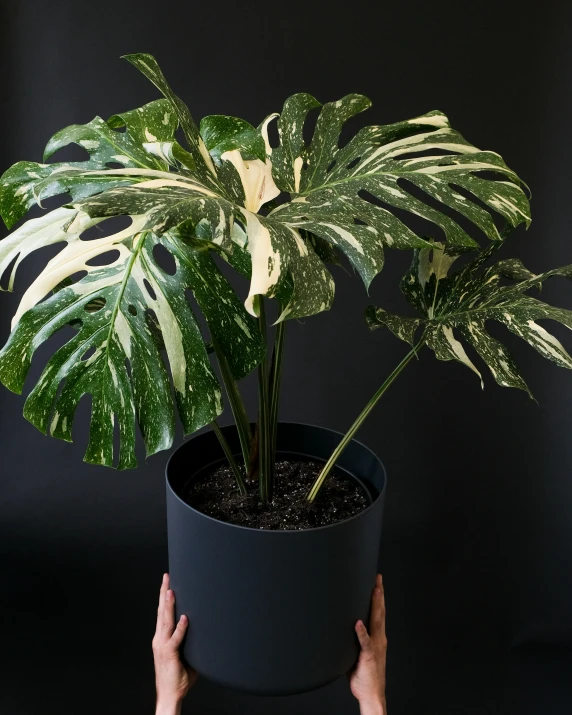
(359, 624)
(164, 577)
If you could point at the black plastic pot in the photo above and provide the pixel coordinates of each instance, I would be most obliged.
(273, 612)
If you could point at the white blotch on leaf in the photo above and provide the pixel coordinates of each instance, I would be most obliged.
(256, 178)
(88, 143)
(345, 236)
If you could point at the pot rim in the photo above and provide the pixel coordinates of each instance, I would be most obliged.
(337, 524)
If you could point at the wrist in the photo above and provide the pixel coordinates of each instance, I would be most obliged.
(372, 707)
(171, 706)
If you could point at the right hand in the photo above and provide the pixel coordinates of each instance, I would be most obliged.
(173, 678)
(367, 681)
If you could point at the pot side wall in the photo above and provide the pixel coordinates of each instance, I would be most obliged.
(273, 612)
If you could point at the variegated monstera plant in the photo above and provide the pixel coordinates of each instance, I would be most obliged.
(277, 215)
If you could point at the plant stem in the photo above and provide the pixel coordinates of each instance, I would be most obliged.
(236, 404)
(264, 462)
(347, 438)
(274, 381)
(228, 453)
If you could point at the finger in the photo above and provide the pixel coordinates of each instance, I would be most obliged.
(162, 593)
(168, 614)
(377, 617)
(179, 632)
(363, 637)
(382, 604)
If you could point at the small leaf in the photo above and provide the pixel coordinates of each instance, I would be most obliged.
(402, 327)
(149, 67)
(456, 307)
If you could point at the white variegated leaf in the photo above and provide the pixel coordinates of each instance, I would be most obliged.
(131, 295)
(456, 307)
(334, 186)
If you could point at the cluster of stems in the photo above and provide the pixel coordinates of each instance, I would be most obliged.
(259, 449)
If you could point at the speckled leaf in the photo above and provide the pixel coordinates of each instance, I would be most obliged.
(336, 189)
(277, 250)
(222, 133)
(154, 122)
(160, 200)
(234, 329)
(203, 169)
(157, 184)
(455, 308)
(402, 327)
(162, 203)
(284, 265)
(131, 286)
(27, 183)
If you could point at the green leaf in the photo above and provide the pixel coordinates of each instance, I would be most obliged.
(336, 189)
(402, 327)
(164, 195)
(221, 133)
(455, 309)
(27, 183)
(204, 168)
(114, 307)
(234, 329)
(287, 159)
(155, 122)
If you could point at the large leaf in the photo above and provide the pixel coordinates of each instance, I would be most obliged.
(131, 293)
(455, 308)
(334, 186)
(26, 183)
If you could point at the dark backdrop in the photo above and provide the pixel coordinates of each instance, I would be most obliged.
(477, 537)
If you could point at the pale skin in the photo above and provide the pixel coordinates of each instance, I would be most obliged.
(367, 682)
(174, 679)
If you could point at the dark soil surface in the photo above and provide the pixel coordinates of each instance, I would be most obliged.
(217, 495)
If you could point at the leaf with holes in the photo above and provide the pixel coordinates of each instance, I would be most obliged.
(27, 183)
(458, 306)
(112, 307)
(337, 190)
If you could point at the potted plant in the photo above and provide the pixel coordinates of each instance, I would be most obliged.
(273, 527)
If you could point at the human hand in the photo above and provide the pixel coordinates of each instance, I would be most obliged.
(367, 681)
(173, 678)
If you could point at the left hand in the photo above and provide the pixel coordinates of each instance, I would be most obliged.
(173, 678)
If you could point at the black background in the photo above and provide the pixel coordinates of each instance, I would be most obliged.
(477, 537)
